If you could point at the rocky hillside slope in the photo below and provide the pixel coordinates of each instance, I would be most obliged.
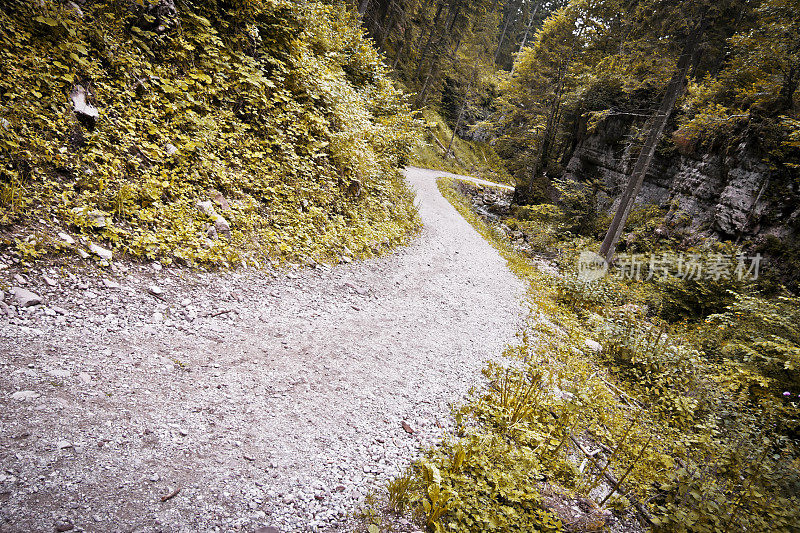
(205, 133)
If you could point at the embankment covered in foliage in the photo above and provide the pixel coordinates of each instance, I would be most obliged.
(211, 132)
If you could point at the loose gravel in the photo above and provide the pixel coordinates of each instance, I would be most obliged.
(142, 398)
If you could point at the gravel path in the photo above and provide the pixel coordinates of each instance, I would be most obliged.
(266, 399)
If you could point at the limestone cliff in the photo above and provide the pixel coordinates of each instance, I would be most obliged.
(733, 193)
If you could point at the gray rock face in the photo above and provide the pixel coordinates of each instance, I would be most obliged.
(24, 297)
(721, 192)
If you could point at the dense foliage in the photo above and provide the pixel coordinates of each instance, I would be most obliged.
(595, 63)
(282, 114)
(680, 426)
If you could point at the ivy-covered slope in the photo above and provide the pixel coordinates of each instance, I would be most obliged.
(119, 117)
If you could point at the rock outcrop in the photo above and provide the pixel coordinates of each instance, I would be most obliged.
(728, 193)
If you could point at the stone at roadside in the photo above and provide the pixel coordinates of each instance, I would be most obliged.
(593, 345)
(85, 378)
(87, 113)
(408, 429)
(50, 281)
(102, 253)
(64, 525)
(59, 310)
(25, 298)
(157, 266)
(5, 309)
(64, 444)
(186, 302)
(66, 238)
(110, 284)
(221, 226)
(220, 200)
(25, 395)
(83, 254)
(19, 278)
(95, 217)
(155, 290)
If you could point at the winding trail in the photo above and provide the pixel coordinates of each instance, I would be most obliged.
(273, 402)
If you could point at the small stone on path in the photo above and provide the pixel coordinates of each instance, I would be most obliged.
(25, 395)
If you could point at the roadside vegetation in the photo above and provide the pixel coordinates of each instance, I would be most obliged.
(198, 133)
(465, 157)
(620, 408)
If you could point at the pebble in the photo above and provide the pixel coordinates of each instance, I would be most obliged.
(66, 238)
(50, 281)
(155, 290)
(110, 284)
(63, 444)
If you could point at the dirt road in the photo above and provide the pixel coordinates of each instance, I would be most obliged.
(252, 400)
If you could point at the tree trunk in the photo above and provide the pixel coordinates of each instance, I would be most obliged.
(525, 36)
(502, 36)
(362, 7)
(421, 59)
(674, 90)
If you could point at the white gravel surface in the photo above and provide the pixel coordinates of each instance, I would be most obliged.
(266, 399)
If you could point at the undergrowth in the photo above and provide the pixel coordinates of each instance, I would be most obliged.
(607, 417)
(281, 113)
(468, 157)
